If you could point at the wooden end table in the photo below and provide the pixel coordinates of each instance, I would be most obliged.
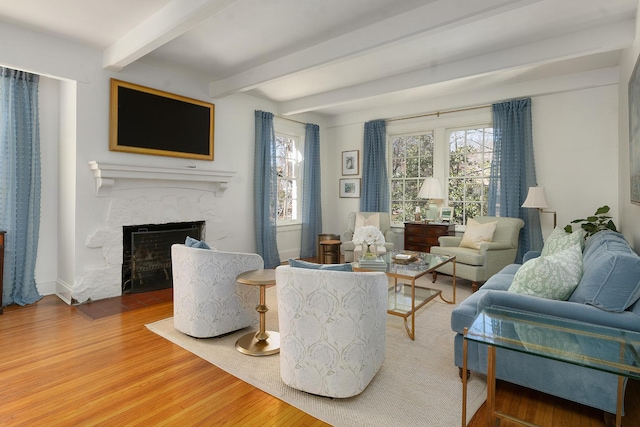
(330, 251)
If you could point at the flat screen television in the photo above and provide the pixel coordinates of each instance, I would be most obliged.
(150, 121)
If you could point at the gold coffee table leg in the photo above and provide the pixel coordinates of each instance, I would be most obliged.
(453, 301)
(261, 343)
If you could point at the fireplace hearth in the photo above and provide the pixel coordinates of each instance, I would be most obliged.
(146, 257)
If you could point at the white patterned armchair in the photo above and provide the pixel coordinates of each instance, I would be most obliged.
(332, 329)
(207, 300)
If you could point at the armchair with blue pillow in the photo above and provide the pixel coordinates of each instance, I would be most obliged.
(207, 299)
(597, 281)
(332, 327)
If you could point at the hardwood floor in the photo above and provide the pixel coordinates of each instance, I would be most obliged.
(60, 368)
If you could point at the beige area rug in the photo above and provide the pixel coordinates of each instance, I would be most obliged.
(418, 384)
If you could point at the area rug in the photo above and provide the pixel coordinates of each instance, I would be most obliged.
(418, 384)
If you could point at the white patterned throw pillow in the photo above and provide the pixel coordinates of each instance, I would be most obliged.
(559, 240)
(553, 276)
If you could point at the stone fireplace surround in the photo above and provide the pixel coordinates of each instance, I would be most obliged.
(146, 195)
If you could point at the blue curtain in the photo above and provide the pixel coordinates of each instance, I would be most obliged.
(513, 170)
(265, 190)
(19, 184)
(311, 204)
(375, 185)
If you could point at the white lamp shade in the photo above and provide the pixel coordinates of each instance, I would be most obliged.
(536, 198)
(431, 189)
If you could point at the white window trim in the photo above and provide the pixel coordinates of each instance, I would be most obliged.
(440, 126)
(447, 135)
(390, 138)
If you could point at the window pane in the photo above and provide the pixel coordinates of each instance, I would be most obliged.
(411, 189)
(412, 167)
(411, 162)
(397, 189)
(399, 167)
(412, 146)
(470, 155)
(287, 160)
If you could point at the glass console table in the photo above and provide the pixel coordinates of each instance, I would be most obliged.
(593, 346)
(405, 299)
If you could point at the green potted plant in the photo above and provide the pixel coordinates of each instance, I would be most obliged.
(594, 223)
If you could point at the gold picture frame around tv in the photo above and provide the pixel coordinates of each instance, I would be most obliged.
(150, 121)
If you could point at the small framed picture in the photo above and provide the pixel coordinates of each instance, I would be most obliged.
(350, 187)
(446, 213)
(350, 162)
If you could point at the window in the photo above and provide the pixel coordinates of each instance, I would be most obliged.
(470, 156)
(288, 158)
(411, 163)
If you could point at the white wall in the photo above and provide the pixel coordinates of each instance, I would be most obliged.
(75, 115)
(46, 265)
(629, 213)
(575, 150)
(576, 153)
(335, 209)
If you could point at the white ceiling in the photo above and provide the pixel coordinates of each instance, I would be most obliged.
(341, 56)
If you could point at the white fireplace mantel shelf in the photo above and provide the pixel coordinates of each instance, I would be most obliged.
(107, 174)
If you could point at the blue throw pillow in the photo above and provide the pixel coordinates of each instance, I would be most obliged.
(296, 263)
(611, 281)
(194, 243)
(606, 239)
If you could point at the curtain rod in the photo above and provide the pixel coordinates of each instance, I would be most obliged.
(437, 113)
(287, 118)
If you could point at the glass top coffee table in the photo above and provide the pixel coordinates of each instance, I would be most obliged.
(406, 298)
(584, 344)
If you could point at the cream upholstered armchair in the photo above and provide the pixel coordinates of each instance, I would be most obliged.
(332, 329)
(207, 300)
(356, 220)
(484, 260)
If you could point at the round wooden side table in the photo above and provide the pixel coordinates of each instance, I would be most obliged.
(263, 342)
(330, 252)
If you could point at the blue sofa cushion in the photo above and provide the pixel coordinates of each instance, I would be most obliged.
(296, 263)
(616, 242)
(611, 279)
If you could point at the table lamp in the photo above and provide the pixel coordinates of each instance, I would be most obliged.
(431, 189)
(536, 199)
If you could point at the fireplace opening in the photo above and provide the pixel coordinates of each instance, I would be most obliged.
(146, 260)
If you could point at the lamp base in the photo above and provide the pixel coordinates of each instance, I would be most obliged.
(432, 212)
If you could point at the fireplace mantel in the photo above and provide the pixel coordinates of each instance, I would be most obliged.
(107, 174)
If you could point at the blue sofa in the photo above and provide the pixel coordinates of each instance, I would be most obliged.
(607, 294)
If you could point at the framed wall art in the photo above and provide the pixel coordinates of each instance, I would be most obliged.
(350, 162)
(446, 213)
(350, 187)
